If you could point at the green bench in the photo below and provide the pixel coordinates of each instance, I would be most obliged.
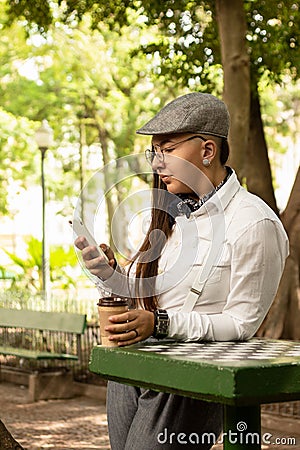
(240, 375)
(73, 324)
(43, 336)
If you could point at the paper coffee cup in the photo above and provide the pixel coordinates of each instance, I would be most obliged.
(109, 306)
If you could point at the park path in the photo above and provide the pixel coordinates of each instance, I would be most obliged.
(80, 423)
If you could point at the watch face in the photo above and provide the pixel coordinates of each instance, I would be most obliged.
(162, 324)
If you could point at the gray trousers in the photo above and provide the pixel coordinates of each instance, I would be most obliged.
(141, 419)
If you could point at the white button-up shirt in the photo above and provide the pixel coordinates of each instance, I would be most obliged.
(240, 245)
(244, 276)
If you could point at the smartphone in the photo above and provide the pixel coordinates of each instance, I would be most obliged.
(80, 229)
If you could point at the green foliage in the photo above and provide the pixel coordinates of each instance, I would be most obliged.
(86, 84)
(37, 11)
(62, 260)
(28, 271)
(188, 43)
(281, 113)
(188, 38)
(114, 12)
(191, 44)
(274, 37)
(103, 68)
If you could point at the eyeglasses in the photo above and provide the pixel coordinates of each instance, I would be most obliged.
(152, 153)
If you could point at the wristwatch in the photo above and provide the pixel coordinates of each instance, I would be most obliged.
(161, 324)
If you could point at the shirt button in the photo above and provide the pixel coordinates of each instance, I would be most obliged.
(160, 271)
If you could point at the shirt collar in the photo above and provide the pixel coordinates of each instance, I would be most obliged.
(221, 198)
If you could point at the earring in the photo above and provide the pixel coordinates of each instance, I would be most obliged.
(206, 162)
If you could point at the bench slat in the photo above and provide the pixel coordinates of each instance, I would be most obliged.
(32, 354)
(40, 320)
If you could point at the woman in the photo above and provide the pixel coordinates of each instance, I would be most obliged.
(208, 269)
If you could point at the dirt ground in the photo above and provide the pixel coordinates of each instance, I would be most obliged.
(80, 423)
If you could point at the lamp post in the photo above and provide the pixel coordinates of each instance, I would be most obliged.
(44, 139)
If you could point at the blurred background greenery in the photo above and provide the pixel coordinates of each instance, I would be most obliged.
(96, 71)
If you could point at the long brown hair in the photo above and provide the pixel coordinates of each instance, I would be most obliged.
(150, 250)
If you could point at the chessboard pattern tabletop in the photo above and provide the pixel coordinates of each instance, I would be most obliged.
(241, 373)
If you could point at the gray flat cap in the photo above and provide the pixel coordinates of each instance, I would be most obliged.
(192, 113)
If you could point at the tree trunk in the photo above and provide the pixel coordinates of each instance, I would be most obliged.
(236, 66)
(120, 228)
(291, 221)
(7, 442)
(257, 164)
(107, 181)
(292, 210)
(82, 144)
(283, 318)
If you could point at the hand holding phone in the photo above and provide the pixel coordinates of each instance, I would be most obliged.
(80, 229)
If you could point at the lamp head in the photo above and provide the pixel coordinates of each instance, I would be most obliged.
(44, 135)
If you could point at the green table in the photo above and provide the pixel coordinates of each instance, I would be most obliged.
(240, 375)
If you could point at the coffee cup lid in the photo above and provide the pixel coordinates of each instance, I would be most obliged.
(112, 301)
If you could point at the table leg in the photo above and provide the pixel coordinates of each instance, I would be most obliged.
(242, 429)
